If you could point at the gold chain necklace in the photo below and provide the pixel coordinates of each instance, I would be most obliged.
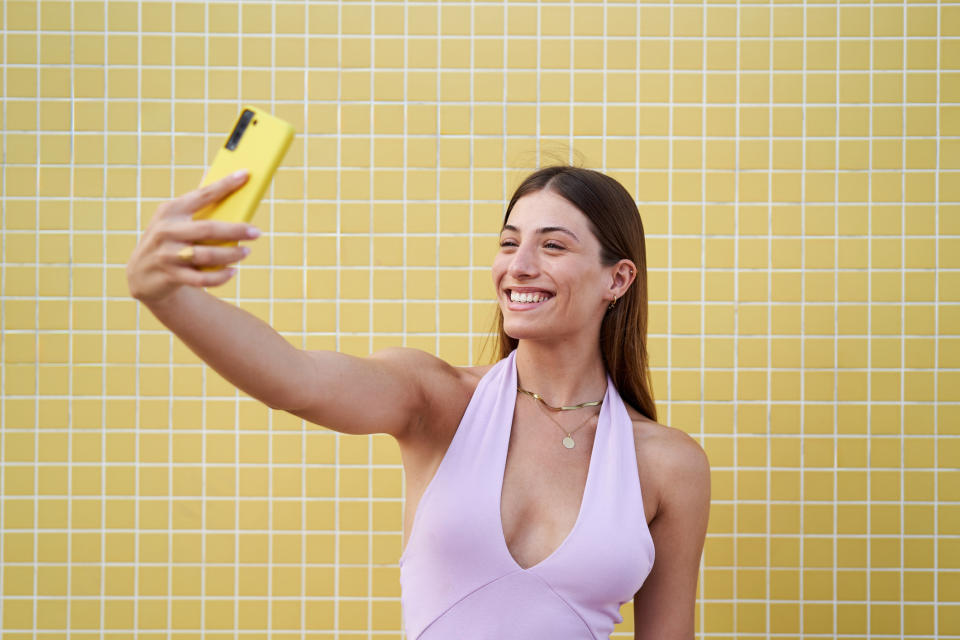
(539, 398)
(568, 439)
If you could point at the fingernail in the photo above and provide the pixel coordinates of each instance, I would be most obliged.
(253, 232)
(245, 250)
(239, 175)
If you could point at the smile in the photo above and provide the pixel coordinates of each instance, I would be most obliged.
(529, 297)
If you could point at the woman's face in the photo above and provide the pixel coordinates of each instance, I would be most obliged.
(548, 275)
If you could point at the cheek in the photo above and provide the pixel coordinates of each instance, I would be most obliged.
(588, 287)
(500, 264)
(497, 269)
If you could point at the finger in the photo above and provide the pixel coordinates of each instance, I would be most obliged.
(191, 231)
(208, 194)
(209, 256)
(206, 278)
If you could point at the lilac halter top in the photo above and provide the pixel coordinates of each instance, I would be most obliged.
(457, 576)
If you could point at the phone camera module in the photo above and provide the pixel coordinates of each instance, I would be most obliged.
(240, 127)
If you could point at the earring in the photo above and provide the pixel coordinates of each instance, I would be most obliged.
(613, 304)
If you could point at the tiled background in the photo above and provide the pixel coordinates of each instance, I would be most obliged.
(797, 167)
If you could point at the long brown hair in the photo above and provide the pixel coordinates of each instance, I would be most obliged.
(615, 221)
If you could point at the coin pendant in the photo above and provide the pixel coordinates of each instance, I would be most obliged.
(568, 442)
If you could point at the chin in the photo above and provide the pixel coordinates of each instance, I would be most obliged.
(514, 328)
(524, 326)
(521, 329)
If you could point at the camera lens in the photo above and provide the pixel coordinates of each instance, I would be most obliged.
(238, 130)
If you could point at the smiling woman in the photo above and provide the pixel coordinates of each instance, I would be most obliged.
(614, 224)
(513, 528)
(578, 533)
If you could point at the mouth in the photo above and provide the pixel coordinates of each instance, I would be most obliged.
(527, 297)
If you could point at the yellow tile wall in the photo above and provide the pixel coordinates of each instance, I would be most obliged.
(798, 171)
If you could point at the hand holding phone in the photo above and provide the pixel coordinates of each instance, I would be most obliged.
(174, 250)
(257, 143)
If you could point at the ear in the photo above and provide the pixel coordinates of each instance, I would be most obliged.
(622, 276)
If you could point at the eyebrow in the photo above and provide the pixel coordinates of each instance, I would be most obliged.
(543, 230)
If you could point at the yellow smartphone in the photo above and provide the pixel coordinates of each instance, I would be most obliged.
(257, 142)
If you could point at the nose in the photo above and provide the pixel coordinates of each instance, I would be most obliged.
(524, 263)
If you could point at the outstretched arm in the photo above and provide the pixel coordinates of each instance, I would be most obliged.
(664, 607)
(381, 394)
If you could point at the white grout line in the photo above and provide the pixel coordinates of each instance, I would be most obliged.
(903, 313)
(204, 502)
(703, 263)
(370, 304)
(337, 437)
(936, 332)
(869, 463)
(835, 583)
(304, 442)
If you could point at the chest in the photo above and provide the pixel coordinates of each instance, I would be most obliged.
(544, 482)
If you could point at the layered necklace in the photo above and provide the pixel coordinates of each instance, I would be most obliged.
(567, 441)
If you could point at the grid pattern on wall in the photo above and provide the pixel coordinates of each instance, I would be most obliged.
(797, 167)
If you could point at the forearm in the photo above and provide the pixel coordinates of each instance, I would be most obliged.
(242, 348)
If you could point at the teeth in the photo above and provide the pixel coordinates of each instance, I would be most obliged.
(527, 297)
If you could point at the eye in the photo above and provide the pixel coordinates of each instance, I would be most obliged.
(508, 242)
(556, 246)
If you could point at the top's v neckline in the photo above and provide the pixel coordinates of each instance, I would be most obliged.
(602, 419)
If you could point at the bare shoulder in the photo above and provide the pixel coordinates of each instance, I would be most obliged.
(672, 447)
(671, 461)
(677, 451)
(429, 368)
(446, 389)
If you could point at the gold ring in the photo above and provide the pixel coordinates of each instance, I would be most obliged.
(186, 254)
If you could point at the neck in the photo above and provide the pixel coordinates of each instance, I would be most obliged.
(563, 374)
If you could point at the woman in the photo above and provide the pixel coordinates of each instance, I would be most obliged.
(540, 488)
